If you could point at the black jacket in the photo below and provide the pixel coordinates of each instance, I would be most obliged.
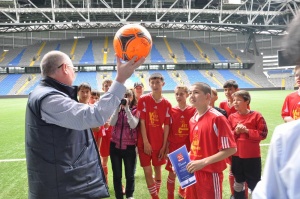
(61, 163)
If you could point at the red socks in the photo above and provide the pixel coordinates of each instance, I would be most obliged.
(170, 187)
(153, 191)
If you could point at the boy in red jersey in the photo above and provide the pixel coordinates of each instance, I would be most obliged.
(84, 93)
(95, 96)
(154, 111)
(230, 86)
(291, 106)
(106, 130)
(211, 143)
(214, 98)
(179, 134)
(249, 128)
(138, 89)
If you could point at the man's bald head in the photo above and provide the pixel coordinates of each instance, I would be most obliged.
(51, 61)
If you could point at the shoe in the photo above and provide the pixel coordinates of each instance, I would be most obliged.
(130, 198)
(181, 193)
(123, 190)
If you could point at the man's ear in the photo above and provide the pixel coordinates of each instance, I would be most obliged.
(65, 68)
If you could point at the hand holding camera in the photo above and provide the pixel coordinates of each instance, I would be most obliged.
(124, 101)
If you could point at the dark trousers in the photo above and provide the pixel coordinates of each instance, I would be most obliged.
(246, 170)
(128, 156)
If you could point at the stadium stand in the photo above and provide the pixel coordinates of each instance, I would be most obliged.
(196, 76)
(17, 59)
(155, 55)
(162, 49)
(193, 50)
(8, 83)
(88, 56)
(33, 83)
(89, 77)
(220, 56)
(98, 50)
(229, 75)
(280, 73)
(81, 47)
(260, 79)
(189, 58)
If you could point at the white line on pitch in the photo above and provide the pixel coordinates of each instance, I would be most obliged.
(13, 160)
(264, 144)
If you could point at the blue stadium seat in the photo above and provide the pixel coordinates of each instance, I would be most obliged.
(188, 56)
(228, 75)
(32, 87)
(196, 76)
(88, 56)
(156, 57)
(220, 56)
(89, 77)
(8, 83)
(16, 60)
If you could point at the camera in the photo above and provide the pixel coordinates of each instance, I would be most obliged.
(123, 102)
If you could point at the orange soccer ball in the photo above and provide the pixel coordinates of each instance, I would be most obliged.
(132, 40)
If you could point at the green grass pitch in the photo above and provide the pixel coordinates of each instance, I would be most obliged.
(13, 176)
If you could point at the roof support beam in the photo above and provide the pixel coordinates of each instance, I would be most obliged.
(39, 10)
(68, 2)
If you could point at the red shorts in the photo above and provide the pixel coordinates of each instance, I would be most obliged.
(173, 147)
(104, 148)
(97, 135)
(209, 185)
(145, 159)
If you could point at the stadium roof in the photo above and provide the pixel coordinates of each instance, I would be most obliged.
(258, 16)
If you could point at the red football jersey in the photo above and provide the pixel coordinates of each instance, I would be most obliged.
(210, 133)
(229, 110)
(105, 143)
(155, 114)
(291, 106)
(179, 127)
(248, 143)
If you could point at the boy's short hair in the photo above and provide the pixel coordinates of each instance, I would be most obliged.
(137, 84)
(95, 93)
(214, 91)
(186, 90)
(244, 94)
(156, 76)
(107, 81)
(231, 83)
(84, 85)
(296, 68)
(205, 88)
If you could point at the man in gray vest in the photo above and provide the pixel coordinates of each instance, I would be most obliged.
(62, 157)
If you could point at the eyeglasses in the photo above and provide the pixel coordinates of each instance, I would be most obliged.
(74, 69)
(61, 65)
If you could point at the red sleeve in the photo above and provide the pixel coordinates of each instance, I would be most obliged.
(261, 130)
(233, 122)
(141, 109)
(168, 114)
(222, 105)
(285, 108)
(225, 135)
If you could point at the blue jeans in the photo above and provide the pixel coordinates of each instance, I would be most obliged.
(128, 156)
